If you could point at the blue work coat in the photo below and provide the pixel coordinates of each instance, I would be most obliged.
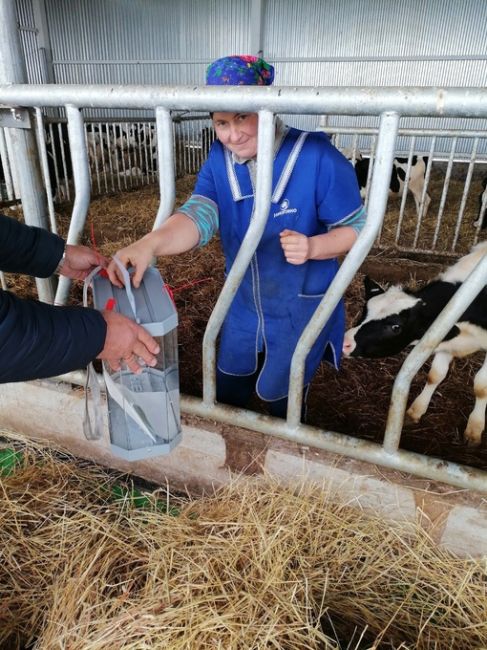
(314, 188)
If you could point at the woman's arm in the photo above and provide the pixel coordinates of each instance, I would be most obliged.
(177, 234)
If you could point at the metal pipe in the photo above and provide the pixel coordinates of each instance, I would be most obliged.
(82, 188)
(377, 206)
(407, 101)
(4, 159)
(165, 159)
(12, 71)
(41, 144)
(265, 156)
(337, 443)
(405, 461)
(465, 294)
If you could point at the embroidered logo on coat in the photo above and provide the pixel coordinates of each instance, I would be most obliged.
(285, 209)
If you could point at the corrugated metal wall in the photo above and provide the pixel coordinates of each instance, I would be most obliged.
(332, 42)
(143, 41)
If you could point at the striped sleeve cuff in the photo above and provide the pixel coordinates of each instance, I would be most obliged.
(203, 212)
(356, 220)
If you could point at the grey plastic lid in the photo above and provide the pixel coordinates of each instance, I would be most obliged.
(154, 307)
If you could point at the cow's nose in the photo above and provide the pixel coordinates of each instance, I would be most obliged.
(348, 345)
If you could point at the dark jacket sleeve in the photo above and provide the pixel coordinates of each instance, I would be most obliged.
(29, 250)
(39, 340)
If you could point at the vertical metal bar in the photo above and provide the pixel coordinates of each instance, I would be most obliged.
(6, 166)
(82, 186)
(41, 144)
(27, 168)
(256, 26)
(165, 155)
(62, 145)
(444, 192)
(117, 162)
(465, 294)
(53, 155)
(265, 156)
(468, 181)
(151, 154)
(146, 143)
(423, 194)
(102, 151)
(95, 156)
(379, 191)
(110, 161)
(483, 208)
(405, 192)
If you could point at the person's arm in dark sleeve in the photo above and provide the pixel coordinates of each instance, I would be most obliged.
(39, 340)
(27, 249)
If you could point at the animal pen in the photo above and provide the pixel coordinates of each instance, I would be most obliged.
(189, 573)
(390, 104)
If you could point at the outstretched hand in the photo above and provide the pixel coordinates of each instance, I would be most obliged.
(80, 260)
(138, 255)
(296, 246)
(127, 342)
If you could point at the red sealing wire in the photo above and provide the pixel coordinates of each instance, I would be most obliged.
(171, 291)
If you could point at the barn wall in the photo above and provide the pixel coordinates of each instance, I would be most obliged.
(337, 42)
(379, 43)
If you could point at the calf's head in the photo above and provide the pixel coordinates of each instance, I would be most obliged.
(390, 321)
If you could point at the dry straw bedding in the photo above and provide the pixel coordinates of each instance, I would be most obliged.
(253, 565)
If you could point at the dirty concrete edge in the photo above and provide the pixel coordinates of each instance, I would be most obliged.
(211, 454)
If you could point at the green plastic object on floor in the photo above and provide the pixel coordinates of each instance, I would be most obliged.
(138, 500)
(9, 461)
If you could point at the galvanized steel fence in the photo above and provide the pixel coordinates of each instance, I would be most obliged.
(387, 103)
(123, 156)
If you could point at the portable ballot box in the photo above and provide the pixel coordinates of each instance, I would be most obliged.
(143, 409)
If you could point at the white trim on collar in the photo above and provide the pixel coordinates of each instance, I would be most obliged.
(288, 167)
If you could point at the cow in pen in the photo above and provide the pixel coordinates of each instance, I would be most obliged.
(394, 318)
(400, 178)
(482, 218)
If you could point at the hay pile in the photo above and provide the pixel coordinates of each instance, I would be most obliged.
(86, 564)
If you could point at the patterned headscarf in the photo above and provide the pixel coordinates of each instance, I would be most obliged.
(243, 70)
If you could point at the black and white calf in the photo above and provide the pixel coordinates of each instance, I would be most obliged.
(482, 218)
(397, 183)
(397, 317)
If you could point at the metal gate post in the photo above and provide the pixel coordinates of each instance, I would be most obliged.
(12, 70)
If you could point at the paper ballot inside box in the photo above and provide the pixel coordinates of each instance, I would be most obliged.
(143, 409)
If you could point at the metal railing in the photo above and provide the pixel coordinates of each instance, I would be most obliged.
(123, 156)
(389, 104)
(470, 168)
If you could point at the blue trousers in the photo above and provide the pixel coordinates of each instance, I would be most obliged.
(237, 391)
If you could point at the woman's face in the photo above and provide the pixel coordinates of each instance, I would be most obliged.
(238, 132)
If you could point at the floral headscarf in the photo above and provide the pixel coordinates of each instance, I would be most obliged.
(239, 70)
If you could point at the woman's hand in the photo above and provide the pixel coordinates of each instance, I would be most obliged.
(138, 255)
(296, 247)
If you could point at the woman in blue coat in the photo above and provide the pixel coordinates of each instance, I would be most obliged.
(315, 215)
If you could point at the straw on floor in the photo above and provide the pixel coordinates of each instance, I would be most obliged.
(87, 565)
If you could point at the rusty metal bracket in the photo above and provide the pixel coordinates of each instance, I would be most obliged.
(14, 118)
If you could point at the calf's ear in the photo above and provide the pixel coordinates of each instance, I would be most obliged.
(371, 288)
